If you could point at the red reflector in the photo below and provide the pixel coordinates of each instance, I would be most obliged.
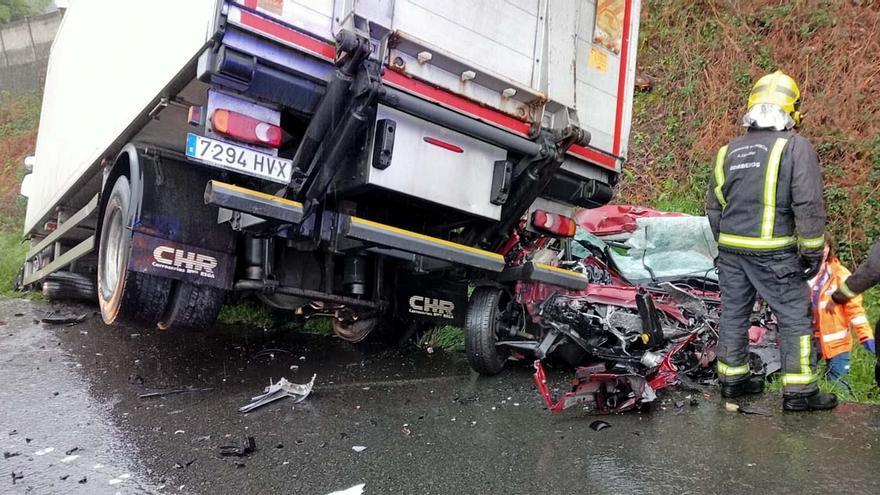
(554, 224)
(196, 115)
(443, 144)
(244, 128)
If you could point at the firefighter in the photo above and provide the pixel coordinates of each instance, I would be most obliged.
(766, 211)
(833, 327)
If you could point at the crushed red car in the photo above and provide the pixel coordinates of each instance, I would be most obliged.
(634, 311)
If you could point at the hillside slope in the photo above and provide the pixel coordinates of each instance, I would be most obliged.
(703, 57)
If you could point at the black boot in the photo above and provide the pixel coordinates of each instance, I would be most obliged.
(754, 385)
(817, 401)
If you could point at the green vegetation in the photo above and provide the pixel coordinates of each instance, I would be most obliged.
(19, 116)
(448, 338)
(13, 10)
(13, 251)
(247, 313)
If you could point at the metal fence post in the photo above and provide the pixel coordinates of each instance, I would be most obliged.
(3, 47)
(31, 36)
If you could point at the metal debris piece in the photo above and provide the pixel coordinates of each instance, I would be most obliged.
(7, 455)
(250, 446)
(64, 319)
(599, 425)
(16, 477)
(754, 411)
(355, 490)
(358, 448)
(280, 390)
(173, 392)
(71, 451)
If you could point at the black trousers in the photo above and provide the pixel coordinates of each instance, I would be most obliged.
(778, 278)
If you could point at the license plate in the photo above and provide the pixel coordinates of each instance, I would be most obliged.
(238, 159)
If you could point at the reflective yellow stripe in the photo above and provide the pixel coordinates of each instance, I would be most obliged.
(770, 182)
(740, 241)
(719, 176)
(443, 242)
(258, 194)
(830, 337)
(806, 375)
(845, 290)
(798, 379)
(859, 320)
(812, 242)
(561, 271)
(727, 370)
(805, 349)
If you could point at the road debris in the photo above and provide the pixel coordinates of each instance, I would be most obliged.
(16, 477)
(163, 393)
(358, 448)
(355, 490)
(280, 390)
(731, 407)
(599, 425)
(69, 459)
(71, 451)
(7, 455)
(250, 446)
(64, 319)
(44, 451)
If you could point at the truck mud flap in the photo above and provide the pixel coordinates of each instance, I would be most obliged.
(431, 299)
(157, 256)
(540, 272)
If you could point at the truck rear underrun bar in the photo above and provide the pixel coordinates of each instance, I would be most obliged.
(291, 212)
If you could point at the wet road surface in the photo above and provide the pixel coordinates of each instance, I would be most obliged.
(429, 425)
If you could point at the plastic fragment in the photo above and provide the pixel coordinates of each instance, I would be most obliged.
(599, 425)
(279, 390)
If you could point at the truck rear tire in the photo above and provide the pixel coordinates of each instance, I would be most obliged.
(69, 286)
(481, 325)
(124, 294)
(193, 307)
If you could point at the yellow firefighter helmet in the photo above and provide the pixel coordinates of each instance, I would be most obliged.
(778, 89)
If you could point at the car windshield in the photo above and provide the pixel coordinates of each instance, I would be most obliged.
(661, 248)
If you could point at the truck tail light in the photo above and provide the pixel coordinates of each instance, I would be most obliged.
(554, 224)
(244, 128)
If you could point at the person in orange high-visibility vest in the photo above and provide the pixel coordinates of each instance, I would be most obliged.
(833, 322)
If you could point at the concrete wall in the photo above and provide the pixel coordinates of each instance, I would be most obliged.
(24, 52)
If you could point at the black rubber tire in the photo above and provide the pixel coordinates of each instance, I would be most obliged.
(125, 295)
(480, 331)
(192, 306)
(69, 286)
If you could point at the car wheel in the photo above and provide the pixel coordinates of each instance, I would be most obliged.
(482, 323)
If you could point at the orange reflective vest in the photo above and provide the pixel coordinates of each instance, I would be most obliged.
(833, 328)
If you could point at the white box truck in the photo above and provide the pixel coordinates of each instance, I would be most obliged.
(367, 160)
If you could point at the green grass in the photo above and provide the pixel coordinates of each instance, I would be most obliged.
(12, 252)
(248, 314)
(447, 338)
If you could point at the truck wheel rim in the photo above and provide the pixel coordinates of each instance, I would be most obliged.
(112, 256)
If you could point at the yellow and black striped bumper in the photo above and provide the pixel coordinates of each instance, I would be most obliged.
(275, 208)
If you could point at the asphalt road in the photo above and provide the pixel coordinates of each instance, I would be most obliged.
(71, 422)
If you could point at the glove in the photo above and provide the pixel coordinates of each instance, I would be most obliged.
(870, 346)
(812, 263)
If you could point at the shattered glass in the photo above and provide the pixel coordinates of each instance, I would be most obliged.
(661, 248)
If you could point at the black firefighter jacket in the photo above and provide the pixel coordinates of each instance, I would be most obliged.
(765, 194)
